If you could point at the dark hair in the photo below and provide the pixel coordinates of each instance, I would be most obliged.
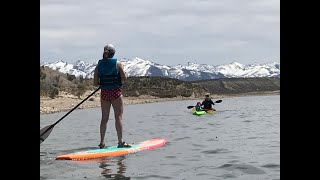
(110, 55)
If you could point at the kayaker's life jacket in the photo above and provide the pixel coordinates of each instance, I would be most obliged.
(109, 75)
(198, 107)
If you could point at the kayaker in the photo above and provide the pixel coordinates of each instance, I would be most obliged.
(109, 75)
(207, 103)
(198, 106)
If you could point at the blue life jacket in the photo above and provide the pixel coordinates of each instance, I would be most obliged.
(198, 107)
(108, 74)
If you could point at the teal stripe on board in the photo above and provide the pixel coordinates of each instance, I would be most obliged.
(110, 149)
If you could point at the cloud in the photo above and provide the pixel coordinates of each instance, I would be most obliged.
(166, 31)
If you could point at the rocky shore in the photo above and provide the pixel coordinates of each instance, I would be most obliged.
(65, 101)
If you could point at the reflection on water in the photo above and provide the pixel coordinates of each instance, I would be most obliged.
(107, 165)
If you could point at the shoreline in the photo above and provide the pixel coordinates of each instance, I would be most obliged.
(66, 101)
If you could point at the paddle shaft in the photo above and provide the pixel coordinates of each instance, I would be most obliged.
(218, 101)
(69, 112)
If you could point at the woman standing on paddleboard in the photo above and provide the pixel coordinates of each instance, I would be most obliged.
(109, 75)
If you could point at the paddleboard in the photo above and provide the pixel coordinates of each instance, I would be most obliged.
(113, 150)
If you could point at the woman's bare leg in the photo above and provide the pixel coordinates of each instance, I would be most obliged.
(105, 109)
(117, 105)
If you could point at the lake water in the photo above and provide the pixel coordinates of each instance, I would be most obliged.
(239, 141)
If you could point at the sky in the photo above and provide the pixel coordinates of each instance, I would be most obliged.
(168, 32)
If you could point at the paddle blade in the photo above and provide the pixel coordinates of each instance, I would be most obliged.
(218, 101)
(44, 132)
(189, 107)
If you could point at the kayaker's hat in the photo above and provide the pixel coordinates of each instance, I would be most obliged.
(109, 48)
(207, 94)
(198, 102)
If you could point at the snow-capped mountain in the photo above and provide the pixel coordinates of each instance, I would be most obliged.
(79, 68)
(190, 71)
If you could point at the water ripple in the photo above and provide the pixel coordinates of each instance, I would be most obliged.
(198, 145)
(179, 139)
(248, 169)
(213, 139)
(226, 176)
(271, 166)
(199, 128)
(216, 151)
(202, 174)
(247, 121)
(153, 177)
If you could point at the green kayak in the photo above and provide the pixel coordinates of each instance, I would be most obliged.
(194, 112)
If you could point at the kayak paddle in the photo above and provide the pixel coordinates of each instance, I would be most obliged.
(218, 101)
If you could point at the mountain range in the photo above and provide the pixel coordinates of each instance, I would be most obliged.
(188, 72)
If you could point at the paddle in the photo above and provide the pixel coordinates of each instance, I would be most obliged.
(218, 101)
(44, 132)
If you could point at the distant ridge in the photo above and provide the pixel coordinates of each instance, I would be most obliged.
(188, 72)
(53, 81)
